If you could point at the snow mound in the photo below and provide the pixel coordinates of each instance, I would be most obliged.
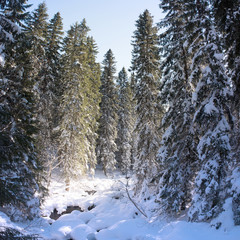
(82, 232)
(110, 215)
(65, 224)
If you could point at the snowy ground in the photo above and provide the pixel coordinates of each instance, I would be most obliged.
(109, 215)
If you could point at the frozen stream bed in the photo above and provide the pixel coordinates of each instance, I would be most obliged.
(107, 214)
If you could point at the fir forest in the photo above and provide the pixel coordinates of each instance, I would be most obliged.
(87, 152)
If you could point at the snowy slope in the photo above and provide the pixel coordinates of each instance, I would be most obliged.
(109, 215)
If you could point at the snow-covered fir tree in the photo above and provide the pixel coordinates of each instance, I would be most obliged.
(211, 127)
(106, 145)
(145, 66)
(125, 121)
(78, 121)
(50, 94)
(227, 17)
(177, 154)
(36, 32)
(19, 164)
(54, 59)
(94, 98)
(133, 115)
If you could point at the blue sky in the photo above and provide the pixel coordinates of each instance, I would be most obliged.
(112, 22)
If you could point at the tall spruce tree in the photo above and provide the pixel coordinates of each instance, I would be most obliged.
(195, 145)
(94, 98)
(227, 17)
(134, 119)
(145, 66)
(78, 121)
(50, 94)
(11, 15)
(54, 45)
(36, 31)
(125, 121)
(19, 164)
(36, 67)
(210, 98)
(106, 146)
(177, 153)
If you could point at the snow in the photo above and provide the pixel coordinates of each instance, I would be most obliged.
(2, 62)
(236, 179)
(109, 215)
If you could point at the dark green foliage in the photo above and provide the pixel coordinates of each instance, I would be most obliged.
(20, 168)
(18, 157)
(125, 121)
(227, 17)
(13, 234)
(54, 66)
(195, 88)
(177, 154)
(211, 102)
(79, 106)
(15, 11)
(145, 66)
(36, 33)
(50, 90)
(106, 146)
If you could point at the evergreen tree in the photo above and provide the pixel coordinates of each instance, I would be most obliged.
(145, 66)
(195, 145)
(124, 121)
(106, 146)
(19, 164)
(54, 45)
(227, 17)
(50, 94)
(40, 73)
(177, 153)
(94, 98)
(210, 99)
(11, 15)
(79, 113)
(133, 115)
(36, 31)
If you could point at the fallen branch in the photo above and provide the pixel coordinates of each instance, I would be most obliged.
(135, 204)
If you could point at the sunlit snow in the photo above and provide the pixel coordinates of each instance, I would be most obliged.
(108, 214)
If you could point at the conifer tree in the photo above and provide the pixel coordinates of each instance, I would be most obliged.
(106, 146)
(50, 94)
(36, 30)
(133, 115)
(213, 150)
(20, 168)
(54, 45)
(195, 145)
(45, 71)
(73, 103)
(78, 121)
(145, 66)
(227, 17)
(94, 98)
(210, 99)
(177, 153)
(124, 121)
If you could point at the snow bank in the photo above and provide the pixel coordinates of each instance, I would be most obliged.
(128, 229)
(179, 230)
(113, 217)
